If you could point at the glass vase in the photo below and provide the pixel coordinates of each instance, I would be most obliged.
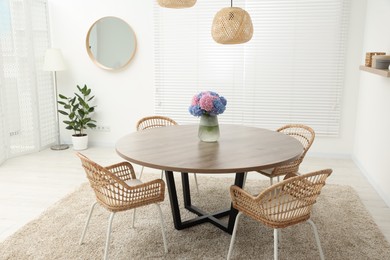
(208, 128)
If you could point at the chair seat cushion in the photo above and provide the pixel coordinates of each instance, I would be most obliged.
(267, 172)
(133, 182)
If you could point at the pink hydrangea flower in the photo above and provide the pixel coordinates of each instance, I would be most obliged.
(195, 101)
(206, 102)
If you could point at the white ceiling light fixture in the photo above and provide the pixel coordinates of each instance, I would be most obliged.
(232, 25)
(176, 3)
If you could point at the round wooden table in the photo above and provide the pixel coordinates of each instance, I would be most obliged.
(240, 149)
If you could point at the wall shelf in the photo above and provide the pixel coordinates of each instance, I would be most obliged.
(384, 73)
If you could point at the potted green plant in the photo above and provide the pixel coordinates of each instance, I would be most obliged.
(78, 112)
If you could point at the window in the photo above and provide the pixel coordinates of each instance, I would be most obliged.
(27, 113)
(292, 71)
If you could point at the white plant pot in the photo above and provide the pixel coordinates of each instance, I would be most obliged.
(80, 142)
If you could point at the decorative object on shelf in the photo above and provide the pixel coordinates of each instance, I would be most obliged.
(380, 61)
(79, 112)
(176, 3)
(208, 105)
(369, 55)
(54, 62)
(232, 25)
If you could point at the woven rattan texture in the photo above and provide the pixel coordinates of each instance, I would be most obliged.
(176, 3)
(232, 25)
(368, 61)
(284, 204)
(111, 190)
(303, 134)
(153, 122)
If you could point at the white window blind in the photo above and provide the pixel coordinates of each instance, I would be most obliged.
(292, 71)
(26, 91)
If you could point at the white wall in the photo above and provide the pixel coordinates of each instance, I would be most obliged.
(124, 97)
(343, 145)
(372, 147)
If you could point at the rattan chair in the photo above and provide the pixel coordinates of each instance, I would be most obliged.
(282, 205)
(153, 122)
(117, 189)
(302, 133)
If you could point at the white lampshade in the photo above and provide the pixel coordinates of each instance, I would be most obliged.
(54, 60)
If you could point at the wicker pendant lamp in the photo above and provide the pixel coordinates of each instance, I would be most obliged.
(232, 25)
(176, 3)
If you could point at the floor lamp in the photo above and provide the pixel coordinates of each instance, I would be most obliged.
(55, 62)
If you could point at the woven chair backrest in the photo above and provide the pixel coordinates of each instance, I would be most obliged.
(292, 198)
(305, 135)
(107, 187)
(153, 122)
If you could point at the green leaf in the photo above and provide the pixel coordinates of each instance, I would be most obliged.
(91, 109)
(78, 87)
(62, 96)
(63, 112)
(67, 107)
(91, 125)
(90, 98)
(88, 92)
(62, 103)
(72, 115)
(78, 96)
(69, 127)
(81, 113)
(84, 104)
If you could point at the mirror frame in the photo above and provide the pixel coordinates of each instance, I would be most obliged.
(92, 57)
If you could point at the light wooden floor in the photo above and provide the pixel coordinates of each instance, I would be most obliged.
(31, 183)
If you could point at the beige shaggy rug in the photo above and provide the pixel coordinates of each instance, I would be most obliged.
(345, 228)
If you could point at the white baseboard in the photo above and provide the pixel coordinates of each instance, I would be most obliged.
(371, 179)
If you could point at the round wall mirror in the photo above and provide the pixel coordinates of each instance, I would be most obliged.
(111, 43)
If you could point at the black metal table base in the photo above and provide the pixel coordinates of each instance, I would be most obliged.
(213, 218)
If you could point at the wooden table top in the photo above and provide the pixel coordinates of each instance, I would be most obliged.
(239, 149)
